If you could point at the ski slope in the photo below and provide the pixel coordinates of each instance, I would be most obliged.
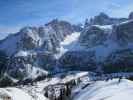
(36, 91)
(17, 94)
(111, 90)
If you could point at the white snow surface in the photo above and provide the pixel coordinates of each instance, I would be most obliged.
(34, 72)
(36, 92)
(70, 43)
(104, 27)
(16, 94)
(21, 53)
(111, 90)
(99, 90)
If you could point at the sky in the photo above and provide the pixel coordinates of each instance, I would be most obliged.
(19, 13)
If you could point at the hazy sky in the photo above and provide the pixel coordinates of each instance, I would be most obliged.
(18, 13)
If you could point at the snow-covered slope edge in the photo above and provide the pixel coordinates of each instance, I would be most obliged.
(37, 90)
(107, 90)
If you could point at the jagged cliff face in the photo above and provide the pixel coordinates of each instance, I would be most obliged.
(78, 60)
(32, 49)
(119, 61)
(93, 36)
(31, 65)
(108, 43)
(124, 32)
(103, 19)
(110, 47)
(62, 29)
(47, 37)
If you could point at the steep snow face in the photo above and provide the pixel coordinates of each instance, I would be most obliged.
(111, 90)
(69, 39)
(70, 43)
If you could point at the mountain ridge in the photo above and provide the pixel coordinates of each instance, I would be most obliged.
(33, 51)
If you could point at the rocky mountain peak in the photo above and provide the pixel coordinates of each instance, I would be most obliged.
(104, 19)
(124, 32)
(100, 19)
(49, 47)
(32, 49)
(103, 15)
(131, 15)
(93, 36)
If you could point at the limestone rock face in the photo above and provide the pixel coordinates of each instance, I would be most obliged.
(121, 56)
(104, 19)
(93, 36)
(119, 61)
(124, 32)
(31, 65)
(29, 38)
(78, 60)
(62, 28)
(27, 66)
(101, 19)
(131, 15)
(35, 50)
(31, 50)
(112, 46)
(47, 37)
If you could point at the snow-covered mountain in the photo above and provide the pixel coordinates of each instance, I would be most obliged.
(108, 45)
(111, 90)
(57, 44)
(47, 37)
(104, 45)
(104, 19)
(32, 50)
